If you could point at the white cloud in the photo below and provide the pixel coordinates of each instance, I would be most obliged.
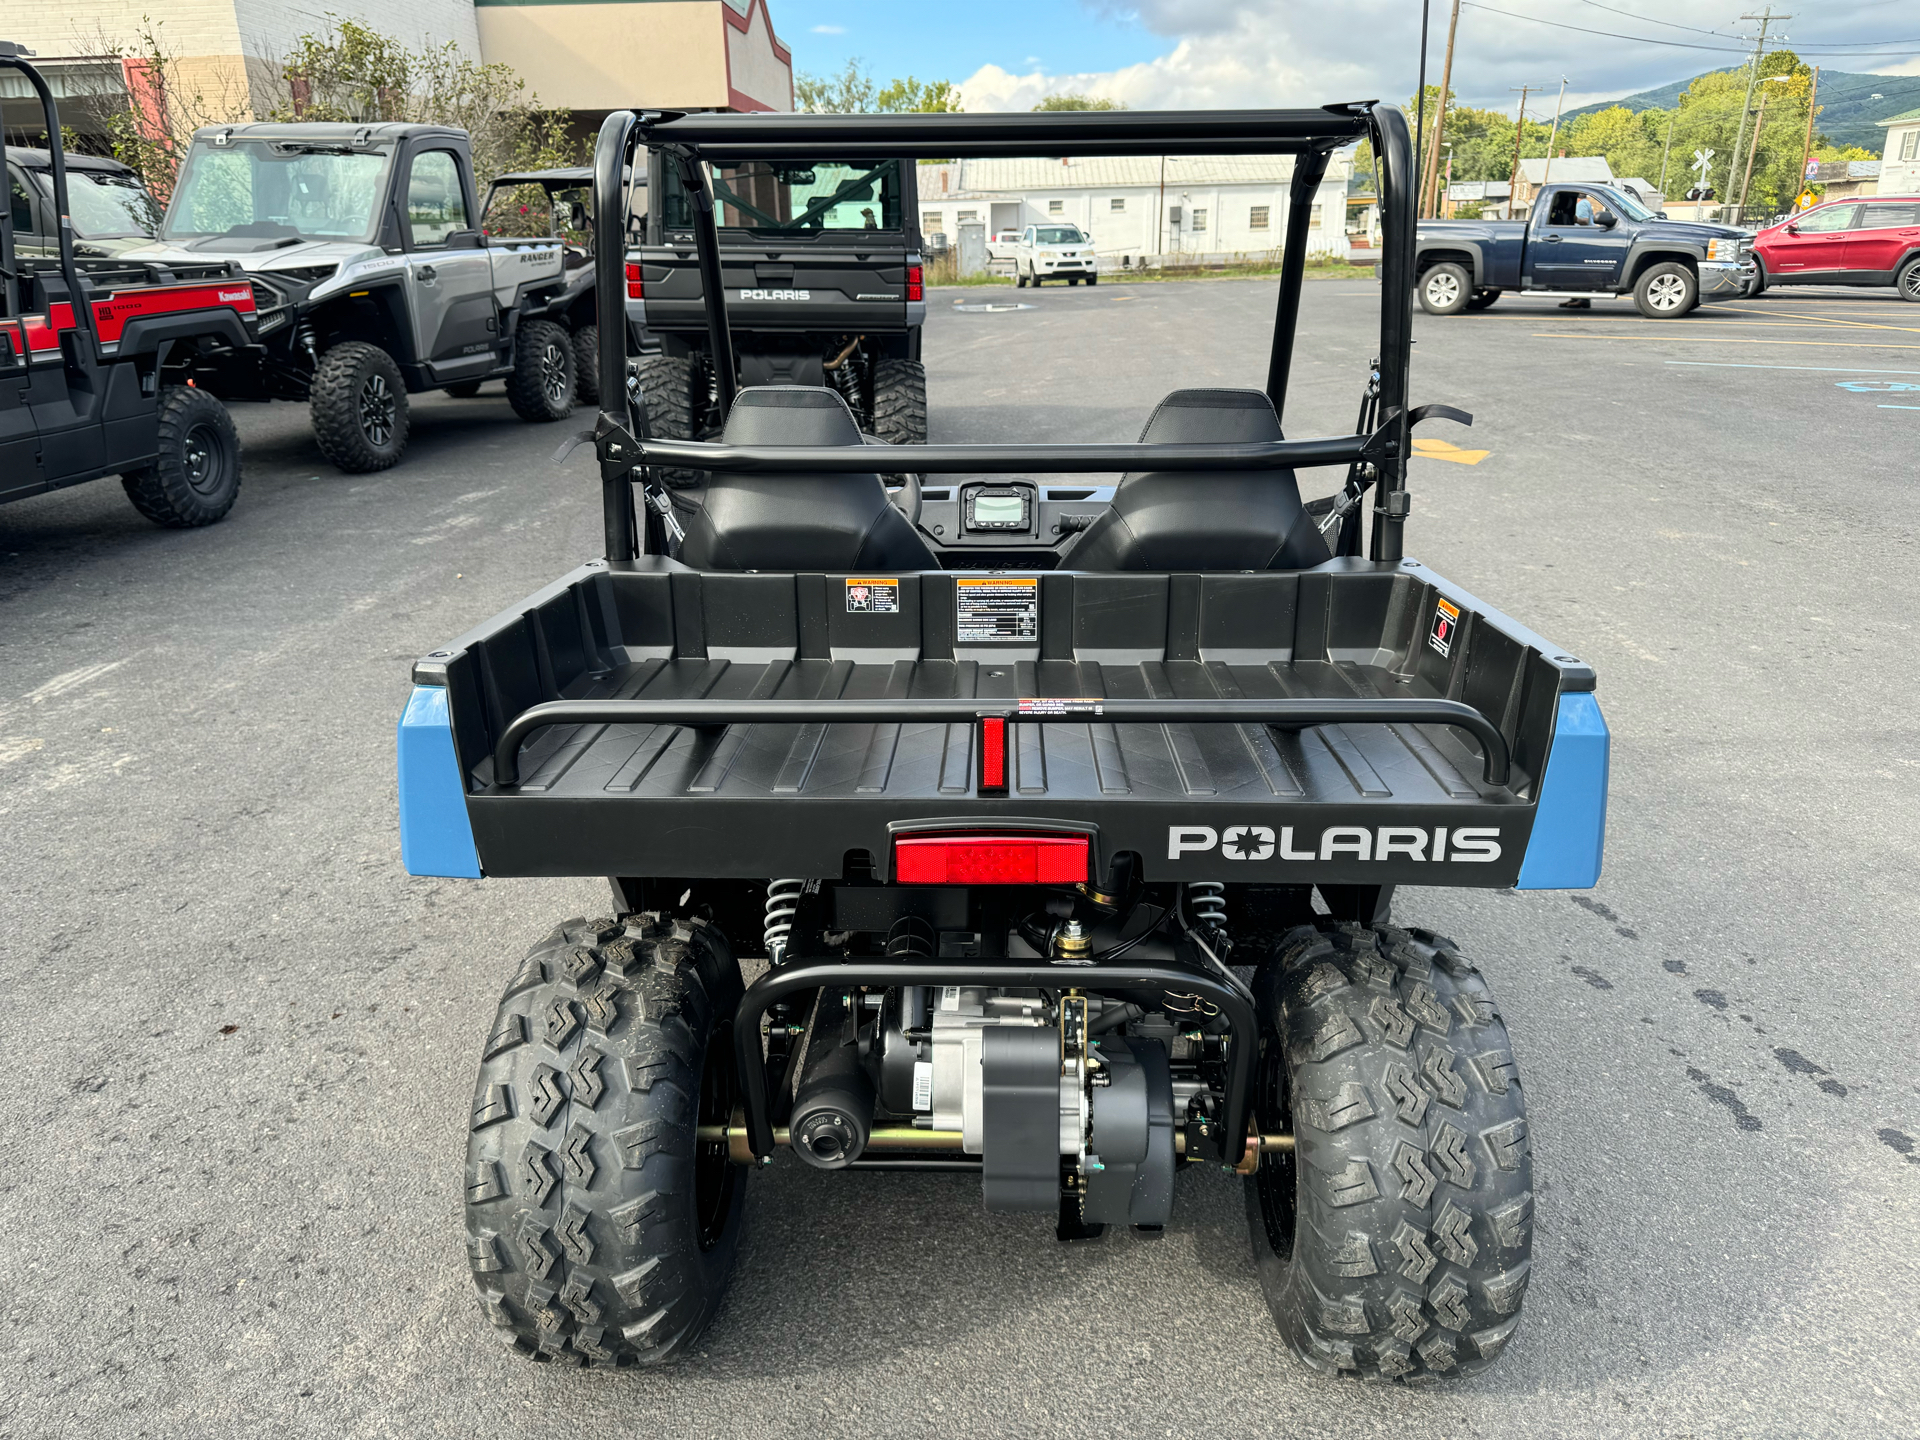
(829, 30)
(1284, 53)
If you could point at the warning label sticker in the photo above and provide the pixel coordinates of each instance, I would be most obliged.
(873, 595)
(996, 608)
(1061, 705)
(1447, 619)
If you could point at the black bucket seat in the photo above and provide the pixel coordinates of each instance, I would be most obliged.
(798, 522)
(1203, 520)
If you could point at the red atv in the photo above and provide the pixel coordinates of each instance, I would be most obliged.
(97, 365)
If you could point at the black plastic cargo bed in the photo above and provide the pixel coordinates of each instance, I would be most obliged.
(1101, 685)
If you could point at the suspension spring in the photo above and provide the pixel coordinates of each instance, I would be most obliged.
(1207, 904)
(783, 900)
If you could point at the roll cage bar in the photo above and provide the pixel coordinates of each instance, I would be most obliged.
(1311, 135)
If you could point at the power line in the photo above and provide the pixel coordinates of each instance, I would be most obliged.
(1672, 44)
(1726, 35)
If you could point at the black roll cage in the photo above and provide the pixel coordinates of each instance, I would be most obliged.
(13, 57)
(690, 139)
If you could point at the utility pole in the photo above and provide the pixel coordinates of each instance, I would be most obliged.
(1760, 119)
(1548, 169)
(1672, 116)
(1807, 142)
(1514, 173)
(1429, 200)
(1766, 17)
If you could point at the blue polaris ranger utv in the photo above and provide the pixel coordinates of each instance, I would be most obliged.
(1061, 836)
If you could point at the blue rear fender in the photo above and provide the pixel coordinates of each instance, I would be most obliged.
(436, 838)
(1570, 818)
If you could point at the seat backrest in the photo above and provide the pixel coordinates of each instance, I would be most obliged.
(1203, 520)
(798, 522)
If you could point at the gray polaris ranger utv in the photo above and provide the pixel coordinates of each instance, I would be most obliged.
(374, 280)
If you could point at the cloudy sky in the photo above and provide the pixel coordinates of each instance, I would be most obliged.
(1006, 54)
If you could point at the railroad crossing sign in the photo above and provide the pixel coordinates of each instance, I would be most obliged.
(1701, 159)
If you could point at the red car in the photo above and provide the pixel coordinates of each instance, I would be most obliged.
(1874, 241)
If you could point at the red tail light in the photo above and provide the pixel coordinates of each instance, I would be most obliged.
(993, 776)
(990, 860)
(634, 282)
(915, 291)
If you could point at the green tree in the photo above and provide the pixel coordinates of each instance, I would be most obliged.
(1080, 102)
(910, 96)
(849, 93)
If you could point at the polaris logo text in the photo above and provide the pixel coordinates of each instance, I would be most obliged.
(1340, 843)
(775, 295)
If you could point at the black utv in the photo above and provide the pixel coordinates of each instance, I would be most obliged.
(1067, 873)
(820, 260)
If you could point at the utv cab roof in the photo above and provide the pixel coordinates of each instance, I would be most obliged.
(326, 132)
(32, 159)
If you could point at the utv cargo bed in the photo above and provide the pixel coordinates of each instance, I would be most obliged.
(1394, 731)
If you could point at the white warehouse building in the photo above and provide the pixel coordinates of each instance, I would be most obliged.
(1136, 206)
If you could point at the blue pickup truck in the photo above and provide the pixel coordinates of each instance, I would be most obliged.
(1580, 241)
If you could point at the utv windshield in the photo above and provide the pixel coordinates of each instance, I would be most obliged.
(108, 206)
(277, 190)
(791, 197)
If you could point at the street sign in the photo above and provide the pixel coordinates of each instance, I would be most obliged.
(1814, 169)
(1804, 200)
(1701, 159)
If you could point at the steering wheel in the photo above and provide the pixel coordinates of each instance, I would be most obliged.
(906, 496)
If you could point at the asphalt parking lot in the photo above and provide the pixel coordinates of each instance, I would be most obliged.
(243, 1040)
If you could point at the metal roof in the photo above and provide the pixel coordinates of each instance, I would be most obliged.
(1107, 172)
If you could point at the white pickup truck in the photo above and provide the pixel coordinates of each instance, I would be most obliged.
(1054, 252)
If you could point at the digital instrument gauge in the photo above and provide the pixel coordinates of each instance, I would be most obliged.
(998, 507)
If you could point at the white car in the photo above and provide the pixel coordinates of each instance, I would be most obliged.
(1054, 252)
(1002, 246)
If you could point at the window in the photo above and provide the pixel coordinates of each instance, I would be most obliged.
(1117, 203)
(790, 197)
(1889, 217)
(1174, 216)
(1200, 220)
(967, 215)
(1826, 219)
(1054, 207)
(930, 220)
(1058, 235)
(1257, 217)
(435, 207)
(22, 204)
(1314, 218)
(1910, 141)
(269, 191)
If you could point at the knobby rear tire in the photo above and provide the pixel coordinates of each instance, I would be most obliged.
(601, 1231)
(900, 402)
(194, 477)
(358, 406)
(1395, 1240)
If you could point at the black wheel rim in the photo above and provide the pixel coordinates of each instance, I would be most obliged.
(713, 1172)
(1276, 1179)
(202, 460)
(553, 373)
(377, 410)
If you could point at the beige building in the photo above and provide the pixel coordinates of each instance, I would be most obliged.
(587, 57)
(1901, 157)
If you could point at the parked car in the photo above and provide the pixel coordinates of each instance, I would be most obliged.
(1002, 244)
(374, 282)
(1876, 241)
(111, 209)
(1580, 241)
(1054, 252)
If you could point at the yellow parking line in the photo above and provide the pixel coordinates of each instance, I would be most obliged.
(1823, 319)
(1440, 450)
(1727, 340)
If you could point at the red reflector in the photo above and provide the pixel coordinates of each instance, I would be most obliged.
(634, 283)
(990, 860)
(914, 288)
(993, 778)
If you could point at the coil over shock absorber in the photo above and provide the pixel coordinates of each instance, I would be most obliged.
(1207, 904)
(783, 900)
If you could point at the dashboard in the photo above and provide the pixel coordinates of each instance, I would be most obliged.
(978, 523)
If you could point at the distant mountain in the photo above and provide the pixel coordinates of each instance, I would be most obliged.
(1847, 113)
